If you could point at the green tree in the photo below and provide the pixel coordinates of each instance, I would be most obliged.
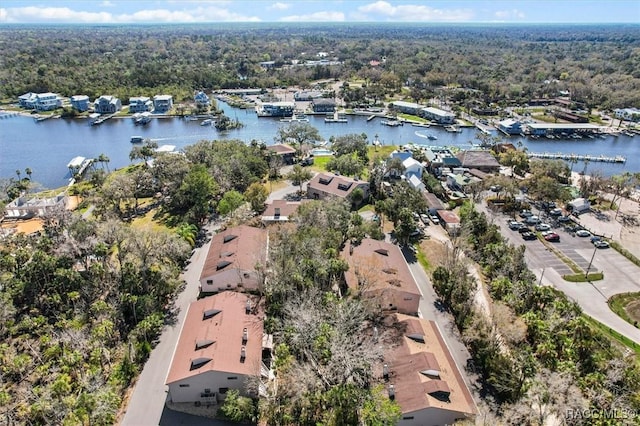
(347, 165)
(351, 144)
(230, 201)
(238, 408)
(379, 410)
(298, 134)
(299, 175)
(256, 195)
(194, 198)
(188, 232)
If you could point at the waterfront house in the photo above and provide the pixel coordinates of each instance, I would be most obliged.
(323, 105)
(307, 95)
(479, 159)
(416, 183)
(326, 185)
(412, 167)
(140, 104)
(25, 207)
(201, 98)
(80, 103)
(510, 126)
(275, 109)
(407, 107)
(222, 345)
(234, 260)
(28, 100)
(284, 151)
(438, 115)
(47, 101)
(280, 211)
(629, 114)
(422, 377)
(379, 272)
(162, 103)
(107, 104)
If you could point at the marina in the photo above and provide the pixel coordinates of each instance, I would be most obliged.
(577, 158)
(23, 141)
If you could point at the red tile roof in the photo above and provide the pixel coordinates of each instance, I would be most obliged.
(281, 149)
(286, 209)
(212, 338)
(241, 247)
(424, 375)
(340, 186)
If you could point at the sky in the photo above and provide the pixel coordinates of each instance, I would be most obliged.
(194, 11)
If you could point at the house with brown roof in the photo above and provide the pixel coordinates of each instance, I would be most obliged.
(378, 271)
(449, 221)
(422, 377)
(325, 185)
(286, 152)
(234, 259)
(220, 347)
(280, 211)
(479, 159)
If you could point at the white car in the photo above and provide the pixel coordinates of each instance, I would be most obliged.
(532, 220)
(543, 227)
(583, 233)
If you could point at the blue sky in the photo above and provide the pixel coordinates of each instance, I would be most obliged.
(192, 11)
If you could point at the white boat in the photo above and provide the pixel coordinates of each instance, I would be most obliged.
(296, 118)
(142, 118)
(207, 122)
(421, 125)
(391, 123)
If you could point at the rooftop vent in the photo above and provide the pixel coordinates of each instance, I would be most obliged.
(247, 307)
(385, 371)
(344, 186)
(210, 313)
(245, 336)
(243, 354)
(229, 237)
(325, 180)
(392, 392)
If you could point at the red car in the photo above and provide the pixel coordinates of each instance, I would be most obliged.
(552, 237)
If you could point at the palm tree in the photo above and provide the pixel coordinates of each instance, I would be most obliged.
(18, 173)
(102, 158)
(188, 231)
(29, 172)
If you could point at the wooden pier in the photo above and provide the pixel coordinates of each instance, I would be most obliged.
(577, 157)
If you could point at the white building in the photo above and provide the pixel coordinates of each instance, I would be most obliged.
(438, 115)
(629, 114)
(163, 103)
(412, 167)
(47, 101)
(107, 104)
(80, 102)
(140, 104)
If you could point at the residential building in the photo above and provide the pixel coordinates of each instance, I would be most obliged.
(280, 211)
(24, 207)
(286, 152)
(407, 107)
(412, 167)
(162, 103)
(268, 64)
(80, 102)
(422, 377)
(433, 202)
(323, 105)
(107, 104)
(629, 114)
(221, 347)
(47, 101)
(140, 104)
(234, 260)
(438, 115)
(378, 271)
(305, 95)
(275, 109)
(28, 100)
(482, 160)
(449, 221)
(201, 98)
(416, 183)
(510, 126)
(325, 185)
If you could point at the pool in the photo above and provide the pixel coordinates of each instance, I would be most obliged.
(320, 152)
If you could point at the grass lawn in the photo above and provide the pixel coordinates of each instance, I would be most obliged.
(380, 152)
(366, 208)
(413, 118)
(320, 163)
(627, 306)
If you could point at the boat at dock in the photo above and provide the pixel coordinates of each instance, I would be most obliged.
(335, 118)
(391, 123)
(578, 157)
(296, 118)
(142, 118)
(137, 139)
(453, 129)
(207, 122)
(425, 125)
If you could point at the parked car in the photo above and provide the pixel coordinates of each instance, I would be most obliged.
(528, 236)
(564, 219)
(525, 213)
(434, 218)
(514, 225)
(495, 188)
(601, 244)
(553, 237)
(543, 227)
(532, 220)
(524, 229)
(595, 239)
(555, 212)
(424, 218)
(583, 233)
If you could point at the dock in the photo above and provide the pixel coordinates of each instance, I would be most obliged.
(102, 119)
(577, 157)
(77, 166)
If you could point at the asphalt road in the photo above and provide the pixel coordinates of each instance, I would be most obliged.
(146, 406)
(620, 275)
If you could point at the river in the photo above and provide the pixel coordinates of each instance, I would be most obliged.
(46, 147)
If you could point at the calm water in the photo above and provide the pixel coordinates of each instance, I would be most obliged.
(47, 147)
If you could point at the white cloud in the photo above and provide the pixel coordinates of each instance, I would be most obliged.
(279, 6)
(510, 14)
(315, 17)
(414, 12)
(107, 3)
(66, 15)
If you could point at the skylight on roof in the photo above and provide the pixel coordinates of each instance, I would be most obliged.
(199, 362)
(210, 313)
(222, 264)
(383, 252)
(201, 344)
(229, 237)
(416, 337)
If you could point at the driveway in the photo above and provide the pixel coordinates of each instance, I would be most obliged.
(146, 406)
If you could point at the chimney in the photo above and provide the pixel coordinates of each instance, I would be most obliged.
(392, 392)
(375, 334)
(243, 354)
(245, 336)
(247, 307)
(385, 372)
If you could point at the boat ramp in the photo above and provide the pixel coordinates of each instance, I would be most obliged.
(577, 157)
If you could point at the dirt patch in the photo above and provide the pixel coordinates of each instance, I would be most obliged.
(633, 310)
(434, 251)
(28, 226)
